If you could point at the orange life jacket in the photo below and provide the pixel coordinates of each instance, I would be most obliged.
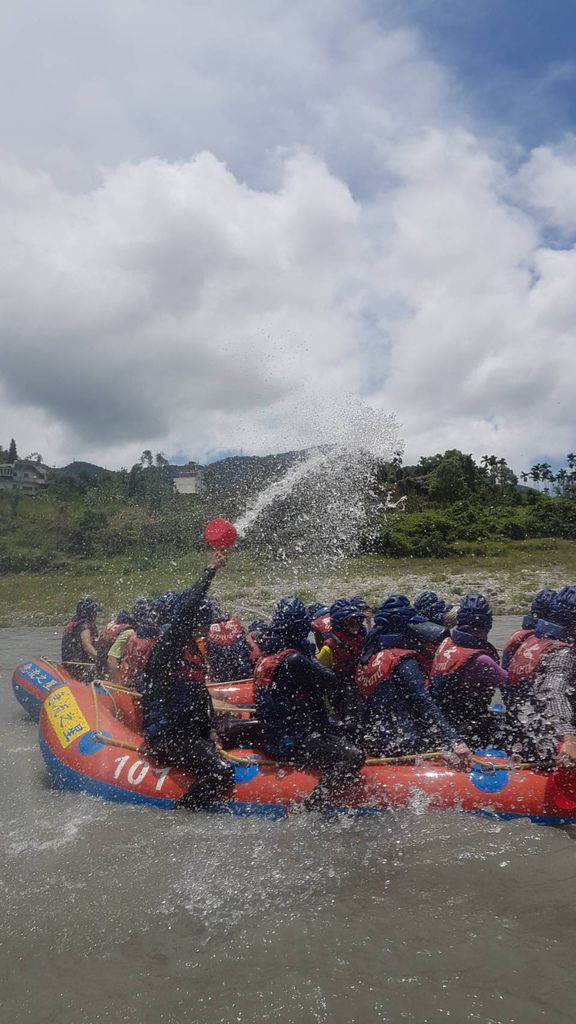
(528, 657)
(380, 668)
(266, 667)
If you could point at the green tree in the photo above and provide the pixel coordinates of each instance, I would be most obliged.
(561, 481)
(535, 474)
(12, 451)
(447, 482)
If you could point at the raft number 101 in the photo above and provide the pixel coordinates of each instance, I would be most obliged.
(138, 771)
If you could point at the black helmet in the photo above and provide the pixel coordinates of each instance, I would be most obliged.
(87, 608)
(474, 612)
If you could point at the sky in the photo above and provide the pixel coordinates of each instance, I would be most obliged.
(227, 225)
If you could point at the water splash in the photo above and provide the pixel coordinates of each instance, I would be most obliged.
(326, 503)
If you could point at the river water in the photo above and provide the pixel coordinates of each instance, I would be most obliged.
(123, 914)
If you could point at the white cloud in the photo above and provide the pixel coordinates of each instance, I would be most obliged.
(548, 182)
(222, 222)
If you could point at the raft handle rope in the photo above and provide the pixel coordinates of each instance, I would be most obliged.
(431, 755)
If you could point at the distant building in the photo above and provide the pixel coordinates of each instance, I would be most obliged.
(188, 479)
(23, 476)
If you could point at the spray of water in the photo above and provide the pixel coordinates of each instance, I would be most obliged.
(325, 504)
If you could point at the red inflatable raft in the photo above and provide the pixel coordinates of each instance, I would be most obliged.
(91, 742)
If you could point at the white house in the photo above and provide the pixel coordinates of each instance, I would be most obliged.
(23, 476)
(188, 478)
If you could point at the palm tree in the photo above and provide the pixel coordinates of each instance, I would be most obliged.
(546, 475)
(535, 474)
(524, 477)
(571, 460)
(561, 478)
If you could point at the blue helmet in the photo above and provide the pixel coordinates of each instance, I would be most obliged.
(342, 610)
(291, 618)
(122, 616)
(87, 608)
(360, 603)
(542, 603)
(145, 612)
(562, 609)
(167, 604)
(431, 606)
(474, 612)
(396, 613)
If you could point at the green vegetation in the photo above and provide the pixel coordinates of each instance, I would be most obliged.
(120, 534)
(508, 574)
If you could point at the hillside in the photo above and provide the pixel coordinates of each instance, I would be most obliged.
(79, 469)
(243, 474)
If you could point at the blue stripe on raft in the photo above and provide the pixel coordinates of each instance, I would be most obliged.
(29, 701)
(62, 776)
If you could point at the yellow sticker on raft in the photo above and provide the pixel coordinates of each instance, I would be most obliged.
(65, 716)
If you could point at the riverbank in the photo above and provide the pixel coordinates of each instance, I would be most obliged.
(508, 574)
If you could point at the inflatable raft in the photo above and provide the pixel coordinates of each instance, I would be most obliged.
(91, 742)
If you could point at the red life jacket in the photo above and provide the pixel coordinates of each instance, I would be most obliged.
(107, 637)
(70, 627)
(346, 649)
(266, 667)
(223, 634)
(380, 668)
(514, 643)
(450, 657)
(72, 650)
(192, 664)
(111, 631)
(136, 654)
(321, 627)
(528, 657)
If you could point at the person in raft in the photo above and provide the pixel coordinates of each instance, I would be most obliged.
(128, 655)
(340, 652)
(178, 716)
(79, 641)
(540, 680)
(433, 630)
(293, 695)
(539, 609)
(465, 674)
(553, 703)
(319, 621)
(112, 630)
(364, 607)
(230, 653)
(398, 714)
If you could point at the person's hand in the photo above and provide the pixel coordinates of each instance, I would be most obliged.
(217, 560)
(214, 737)
(566, 755)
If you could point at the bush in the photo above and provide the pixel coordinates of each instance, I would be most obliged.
(554, 517)
(426, 535)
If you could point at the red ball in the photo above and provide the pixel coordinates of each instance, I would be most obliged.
(220, 534)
